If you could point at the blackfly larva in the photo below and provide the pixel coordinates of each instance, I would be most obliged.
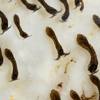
(30, 6)
(17, 23)
(83, 42)
(74, 95)
(96, 81)
(54, 95)
(10, 56)
(51, 34)
(48, 8)
(96, 20)
(66, 13)
(4, 22)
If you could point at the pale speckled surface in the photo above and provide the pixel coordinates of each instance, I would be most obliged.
(38, 72)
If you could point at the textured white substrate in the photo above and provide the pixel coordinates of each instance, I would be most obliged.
(38, 71)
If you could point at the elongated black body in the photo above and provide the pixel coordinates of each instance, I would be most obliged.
(10, 56)
(74, 95)
(48, 8)
(4, 22)
(17, 23)
(83, 42)
(1, 57)
(66, 13)
(96, 20)
(96, 81)
(54, 95)
(58, 46)
(79, 3)
(32, 7)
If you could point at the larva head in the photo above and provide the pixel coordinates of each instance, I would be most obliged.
(94, 79)
(8, 54)
(50, 32)
(74, 95)
(54, 95)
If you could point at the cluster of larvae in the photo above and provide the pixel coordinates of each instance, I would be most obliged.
(82, 41)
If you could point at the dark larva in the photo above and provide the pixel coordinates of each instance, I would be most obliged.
(96, 81)
(32, 7)
(66, 13)
(74, 95)
(58, 46)
(4, 22)
(10, 56)
(83, 42)
(48, 8)
(54, 95)
(17, 23)
(96, 20)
